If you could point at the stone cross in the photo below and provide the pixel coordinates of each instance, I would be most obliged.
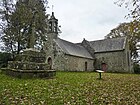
(31, 42)
(32, 36)
(52, 7)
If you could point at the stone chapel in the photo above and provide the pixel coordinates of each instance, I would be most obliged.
(110, 55)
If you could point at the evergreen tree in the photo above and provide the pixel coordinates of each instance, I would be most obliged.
(27, 15)
(7, 8)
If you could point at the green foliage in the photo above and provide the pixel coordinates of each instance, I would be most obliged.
(133, 6)
(71, 88)
(131, 31)
(21, 19)
(136, 68)
(4, 58)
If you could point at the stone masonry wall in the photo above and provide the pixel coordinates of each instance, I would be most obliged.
(72, 63)
(115, 61)
(64, 62)
(78, 64)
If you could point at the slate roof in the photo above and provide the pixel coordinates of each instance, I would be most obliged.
(106, 45)
(73, 49)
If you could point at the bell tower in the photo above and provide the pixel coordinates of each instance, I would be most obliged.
(52, 31)
(50, 45)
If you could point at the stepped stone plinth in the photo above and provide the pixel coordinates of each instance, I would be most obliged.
(30, 64)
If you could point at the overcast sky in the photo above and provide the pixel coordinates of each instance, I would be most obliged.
(89, 19)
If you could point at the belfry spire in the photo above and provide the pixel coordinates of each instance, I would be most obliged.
(53, 24)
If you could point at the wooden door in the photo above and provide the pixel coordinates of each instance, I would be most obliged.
(104, 66)
(50, 63)
(85, 66)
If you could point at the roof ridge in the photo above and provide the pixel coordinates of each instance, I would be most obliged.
(109, 39)
(70, 42)
(73, 49)
(113, 44)
(65, 40)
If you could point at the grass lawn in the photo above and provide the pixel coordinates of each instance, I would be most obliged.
(71, 88)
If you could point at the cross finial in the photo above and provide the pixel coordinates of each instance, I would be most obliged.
(52, 7)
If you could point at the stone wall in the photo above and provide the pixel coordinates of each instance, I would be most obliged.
(29, 74)
(29, 64)
(74, 63)
(115, 61)
(54, 52)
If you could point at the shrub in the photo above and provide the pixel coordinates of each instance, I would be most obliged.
(4, 58)
(136, 68)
